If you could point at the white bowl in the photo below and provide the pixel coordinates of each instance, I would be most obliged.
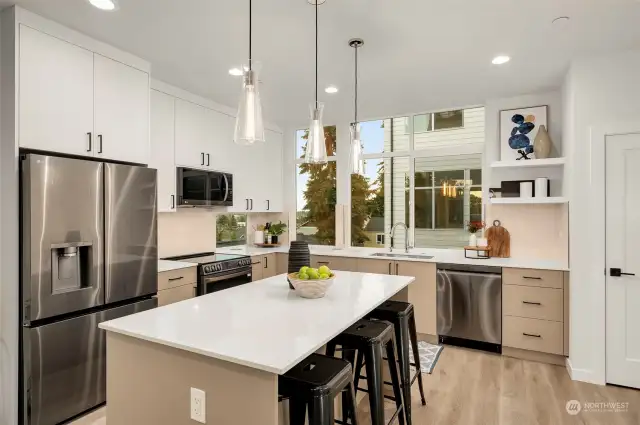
(310, 288)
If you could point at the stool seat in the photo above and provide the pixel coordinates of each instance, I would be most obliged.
(315, 382)
(394, 309)
(365, 332)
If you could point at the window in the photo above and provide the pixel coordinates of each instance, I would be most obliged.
(389, 135)
(231, 229)
(316, 194)
(380, 239)
(447, 120)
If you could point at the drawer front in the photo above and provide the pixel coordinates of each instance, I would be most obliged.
(174, 278)
(335, 263)
(532, 277)
(532, 302)
(173, 295)
(532, 334)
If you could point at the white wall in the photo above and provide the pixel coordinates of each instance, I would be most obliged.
(599, 92)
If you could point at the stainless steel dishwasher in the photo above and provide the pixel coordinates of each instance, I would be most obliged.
(470, 306)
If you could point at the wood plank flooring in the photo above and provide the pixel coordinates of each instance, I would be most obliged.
(475, 388)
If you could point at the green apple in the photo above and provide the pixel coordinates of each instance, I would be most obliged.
(324, 270)
(304, 269)
(303, 276)
(313, 274)
(324, 276)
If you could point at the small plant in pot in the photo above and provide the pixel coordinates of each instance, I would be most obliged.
(474, 227)
(275, 230)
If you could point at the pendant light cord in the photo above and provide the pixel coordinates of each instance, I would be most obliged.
(356, 97)
(250, 35)
(316, 1)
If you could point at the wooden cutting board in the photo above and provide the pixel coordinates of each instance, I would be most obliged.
(499, 240)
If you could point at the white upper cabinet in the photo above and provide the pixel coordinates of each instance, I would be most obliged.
(55, 94)
(273, 186)
(162, 148)
(193, 134)
(121, 111)
(221, 146)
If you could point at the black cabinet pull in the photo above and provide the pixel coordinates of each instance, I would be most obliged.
(268, 207)
(173, 201)
(266, 262)
(530, 303)
(202, 162)
(326, 263)
(251, 204)
(531, 335)
(208, 160)
(532, 277)
(397, 269)
(99, 143)
(247, 199)
(176, 278)
(618, 272)
(89, 134)
(389, 268)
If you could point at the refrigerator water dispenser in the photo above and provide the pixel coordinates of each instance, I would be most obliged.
(71, 264)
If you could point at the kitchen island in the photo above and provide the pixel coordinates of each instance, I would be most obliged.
(231, 344)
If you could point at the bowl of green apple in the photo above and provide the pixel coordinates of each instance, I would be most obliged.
(312, 283)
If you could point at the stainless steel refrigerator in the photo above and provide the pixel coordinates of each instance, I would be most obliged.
(88, 254)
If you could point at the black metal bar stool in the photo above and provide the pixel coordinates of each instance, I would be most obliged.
(401, 315)
(369, 338)
(315, 382)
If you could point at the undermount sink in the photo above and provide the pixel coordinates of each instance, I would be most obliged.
(414, 256)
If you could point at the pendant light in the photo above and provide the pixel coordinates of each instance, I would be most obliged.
(249, 125)
(356, 163)
(316, 152)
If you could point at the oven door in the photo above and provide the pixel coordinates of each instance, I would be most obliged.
(209, 284)
(193, 187)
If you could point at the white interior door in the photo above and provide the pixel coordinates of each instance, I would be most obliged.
(622, 236)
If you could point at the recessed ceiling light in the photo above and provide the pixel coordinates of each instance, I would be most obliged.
(331, 89)
(104, 4)
(236, 72)
(499, 60)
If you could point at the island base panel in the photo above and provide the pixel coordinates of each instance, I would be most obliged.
(149, 384)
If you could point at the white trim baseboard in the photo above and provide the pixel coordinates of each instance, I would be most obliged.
(583, 375)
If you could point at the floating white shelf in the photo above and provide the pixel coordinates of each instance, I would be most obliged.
(532, 163)
(550, 200)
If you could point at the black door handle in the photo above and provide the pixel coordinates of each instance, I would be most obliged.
(173, 201)
(618, 273)
(208, 160)
(99, 143)
(202, 158)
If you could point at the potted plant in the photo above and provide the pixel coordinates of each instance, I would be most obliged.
(473, 227)
(277, 229)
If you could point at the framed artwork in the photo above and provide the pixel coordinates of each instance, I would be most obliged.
(518, 129)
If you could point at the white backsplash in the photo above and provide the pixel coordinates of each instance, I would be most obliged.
(186, 232)
(255, 219)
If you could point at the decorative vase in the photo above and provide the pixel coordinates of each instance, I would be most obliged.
(274, 239)
(473, 240)
(299, 256)
(542, 143)
(258, 237)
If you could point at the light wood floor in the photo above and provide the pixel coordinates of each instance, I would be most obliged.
(475, 388)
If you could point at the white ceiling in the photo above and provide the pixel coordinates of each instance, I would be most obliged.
(418, 55)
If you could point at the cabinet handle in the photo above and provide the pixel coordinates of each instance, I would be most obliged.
(172, 279)
(208, 160)
(202, 162)
(268, 205)
(173, 201)
(531, 303)
(251, 204)
(389, 268)
(89, 134)
(532, 277)
(396, 269)
(99, 143)
(255, 264)
(326, 263)
(247, 199)
(531, 335)
(266, 262)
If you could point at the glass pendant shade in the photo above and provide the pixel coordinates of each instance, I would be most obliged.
(316, 152)
(249, 125)
(355, 159)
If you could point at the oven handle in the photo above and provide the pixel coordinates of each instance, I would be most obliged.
(226, 188)
(226, 276)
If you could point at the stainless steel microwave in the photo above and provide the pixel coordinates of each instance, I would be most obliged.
(201, 188)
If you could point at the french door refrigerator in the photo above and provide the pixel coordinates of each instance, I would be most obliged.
(88, 254)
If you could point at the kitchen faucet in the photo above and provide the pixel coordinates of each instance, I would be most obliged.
(406, 236)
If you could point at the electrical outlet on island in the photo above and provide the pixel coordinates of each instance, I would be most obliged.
(198, 404)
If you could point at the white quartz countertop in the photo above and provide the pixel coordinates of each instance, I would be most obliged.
(167, 265)
(452, 256)
(263, 324)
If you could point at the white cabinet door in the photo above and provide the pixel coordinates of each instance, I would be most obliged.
(121, 111)
(245, 177)
(162, 148)
(220, 142)
(55, 94)
(272, 190)
(193, 134)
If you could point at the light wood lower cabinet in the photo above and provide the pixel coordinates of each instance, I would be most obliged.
(533, 334)
(366, 265)
(335, 263)
(263, 267)
(282, 263)
(177, 285)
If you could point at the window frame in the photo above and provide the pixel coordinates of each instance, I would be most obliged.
(432, 121)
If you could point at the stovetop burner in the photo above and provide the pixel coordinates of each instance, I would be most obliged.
(212, 263)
